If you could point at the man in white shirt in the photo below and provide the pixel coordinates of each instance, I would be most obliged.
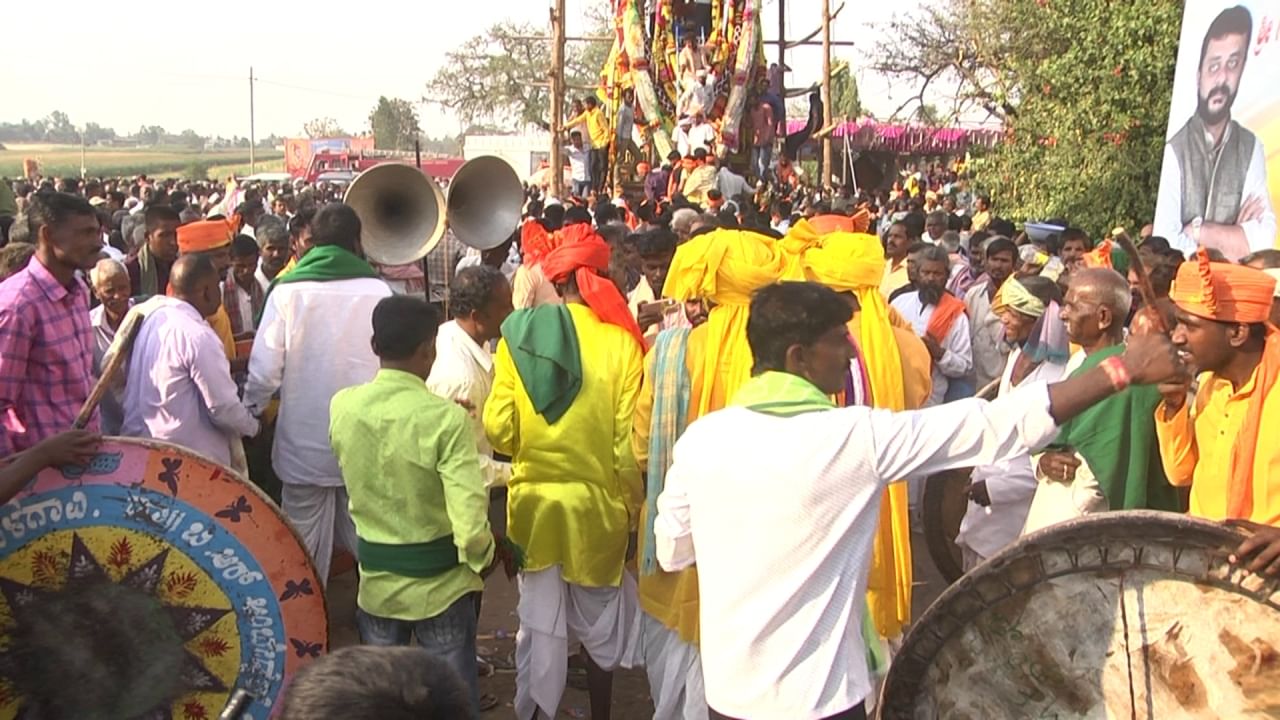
(702, 134)
(730, 184)
(312, 342)
(938, 317)
(479, 300)
(781, 633)
(985, 331)
(273, 246)
(1000, 494)
(579, 156)
(110, 282)
(1213, 187)
(179, 388)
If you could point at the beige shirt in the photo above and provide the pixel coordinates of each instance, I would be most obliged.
(530, 288)
(463, 370)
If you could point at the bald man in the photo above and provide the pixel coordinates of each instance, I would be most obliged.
(1107, 458)
(110, 282)
(179, 386)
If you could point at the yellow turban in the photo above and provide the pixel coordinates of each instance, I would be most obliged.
(799, 238)
(725, 267)
(854, 262)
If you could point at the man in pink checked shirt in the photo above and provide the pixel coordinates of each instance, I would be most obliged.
(46, 340)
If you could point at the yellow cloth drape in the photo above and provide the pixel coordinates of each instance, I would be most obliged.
(671, 598)
(799, 239)
(854, 263)
(220, 321)
(724, 267)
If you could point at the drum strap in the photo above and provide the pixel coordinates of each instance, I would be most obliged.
(415, 560)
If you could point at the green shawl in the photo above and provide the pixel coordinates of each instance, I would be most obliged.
(544, 347)
(670, 416)
(322, 263)
(1117, 437)
(781, 394)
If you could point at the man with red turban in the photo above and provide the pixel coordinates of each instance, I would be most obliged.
(566, 379)
(1222, 315)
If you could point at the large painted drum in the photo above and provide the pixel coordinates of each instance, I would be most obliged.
(151, 583)
(1135, 615)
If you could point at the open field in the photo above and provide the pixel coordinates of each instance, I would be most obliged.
(59, 160)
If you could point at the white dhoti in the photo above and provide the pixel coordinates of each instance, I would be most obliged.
(321, 517)
(553, 614)
(674, 668)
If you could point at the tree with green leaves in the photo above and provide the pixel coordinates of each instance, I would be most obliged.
(501, 76)
(394, 123)
(845, 102)
(1081, 86)
(322, 128)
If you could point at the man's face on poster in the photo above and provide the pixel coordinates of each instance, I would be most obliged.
(1219, 77)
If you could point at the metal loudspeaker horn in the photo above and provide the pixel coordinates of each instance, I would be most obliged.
(485, 199)
(401, 213)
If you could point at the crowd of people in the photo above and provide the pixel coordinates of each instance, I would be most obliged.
(664, 384)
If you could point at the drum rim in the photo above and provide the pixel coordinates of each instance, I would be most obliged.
(258, 493)
(248, 487)
(901, 687)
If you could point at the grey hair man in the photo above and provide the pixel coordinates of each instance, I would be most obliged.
(938, 317)
(273, 241)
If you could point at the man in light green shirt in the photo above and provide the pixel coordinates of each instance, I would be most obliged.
(420, 507)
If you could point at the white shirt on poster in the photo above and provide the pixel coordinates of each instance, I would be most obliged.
(1260, 233)
(782, 634)
(312, 342)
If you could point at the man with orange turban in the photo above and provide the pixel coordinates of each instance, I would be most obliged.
(565, 383)
(212, 238)
(1222, 315)
(688, 374)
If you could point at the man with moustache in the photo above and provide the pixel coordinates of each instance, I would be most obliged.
(938, 317)
(1213, 191)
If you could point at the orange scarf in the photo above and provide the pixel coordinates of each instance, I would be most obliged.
(1240, 484)
(585, 255)
(949, 308)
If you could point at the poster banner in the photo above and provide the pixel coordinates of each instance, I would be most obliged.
(1220, 182)
(299, 151)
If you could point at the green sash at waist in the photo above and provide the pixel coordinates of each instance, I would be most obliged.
(415, 560)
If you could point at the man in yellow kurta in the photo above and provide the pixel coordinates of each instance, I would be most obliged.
(1223, 443)
(690, 373)
(564, 393)
(896, 366)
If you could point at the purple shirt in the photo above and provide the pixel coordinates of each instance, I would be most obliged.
(46, 357)
(180, 388)
(655, 184)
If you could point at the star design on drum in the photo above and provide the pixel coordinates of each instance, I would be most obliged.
(84, 572)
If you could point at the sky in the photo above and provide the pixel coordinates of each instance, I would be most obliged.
(179, 68)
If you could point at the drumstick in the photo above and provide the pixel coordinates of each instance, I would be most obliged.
(122, 344)
(1145, 289)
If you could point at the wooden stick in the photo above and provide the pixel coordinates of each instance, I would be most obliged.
(122, 345)
(1145, 288)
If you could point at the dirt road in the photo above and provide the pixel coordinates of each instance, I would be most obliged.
(497, 640)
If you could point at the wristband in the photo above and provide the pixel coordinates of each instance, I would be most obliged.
(1116, 372)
